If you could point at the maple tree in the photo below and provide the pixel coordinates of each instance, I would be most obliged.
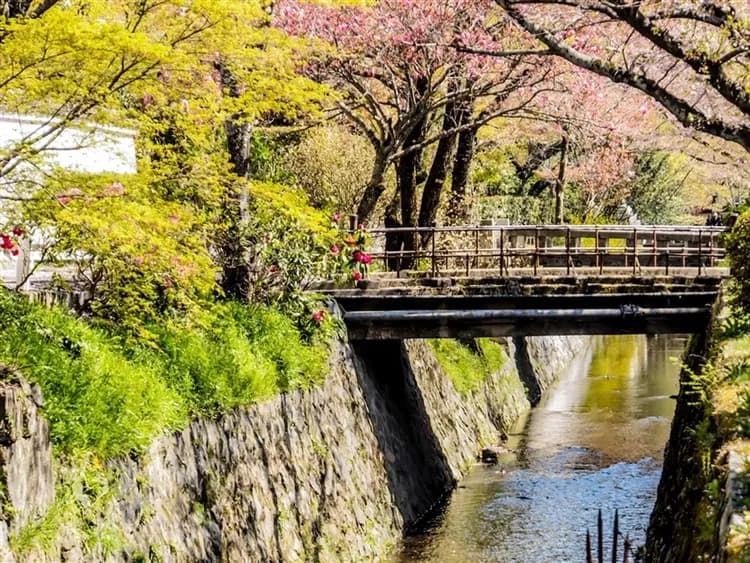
(188, 77)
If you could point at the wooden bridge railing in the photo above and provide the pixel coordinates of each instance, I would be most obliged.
(562, 247)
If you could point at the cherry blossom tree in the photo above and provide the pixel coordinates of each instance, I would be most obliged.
(406, 86)
(591, 132)
(692, 57)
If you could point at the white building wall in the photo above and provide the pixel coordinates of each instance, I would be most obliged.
(87, 147)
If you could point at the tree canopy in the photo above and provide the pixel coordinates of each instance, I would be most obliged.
(692, 57)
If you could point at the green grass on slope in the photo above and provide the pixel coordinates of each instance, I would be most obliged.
(466, 367)
(107, 400)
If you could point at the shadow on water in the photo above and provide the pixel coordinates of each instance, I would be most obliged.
(595, 441)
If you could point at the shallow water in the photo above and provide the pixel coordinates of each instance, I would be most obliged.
(595, 441)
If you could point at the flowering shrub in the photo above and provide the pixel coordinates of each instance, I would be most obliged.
(350, 260)
(9, 241)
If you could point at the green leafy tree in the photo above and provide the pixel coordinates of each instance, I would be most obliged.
(738, 248)
(196, 80)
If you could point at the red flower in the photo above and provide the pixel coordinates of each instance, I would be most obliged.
(366, 259)
(357, 275)
(14, 252)
(318, 316)
(336, 217)
(7, 243)
(273, 269)
(335, 249)
(357, 256)
(18, 231)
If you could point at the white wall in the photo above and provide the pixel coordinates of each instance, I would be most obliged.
(86, 148)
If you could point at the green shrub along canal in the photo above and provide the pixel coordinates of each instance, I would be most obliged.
(595, 441)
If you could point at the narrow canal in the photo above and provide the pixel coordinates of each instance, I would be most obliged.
(596, 441)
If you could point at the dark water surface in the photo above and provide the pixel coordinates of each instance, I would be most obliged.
(596, 440)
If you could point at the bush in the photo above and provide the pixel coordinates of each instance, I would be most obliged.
(332, 165)
(738, 249)
(138, 256)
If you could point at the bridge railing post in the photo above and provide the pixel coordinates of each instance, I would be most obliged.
(432, 249)
(700, 252)
(351, 223)
(536, 250)
(476, 248)
(567, 251)
(502, 252)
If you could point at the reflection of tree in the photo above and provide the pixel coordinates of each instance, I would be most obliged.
(613, 375)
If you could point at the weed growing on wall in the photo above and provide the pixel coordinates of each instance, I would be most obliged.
(468, 363)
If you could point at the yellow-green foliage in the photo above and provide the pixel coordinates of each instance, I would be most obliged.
(137, 254)
(106, 398)
(738, 248)
(333, 166)
(141, 244)
(84, 58)
(295, 207)
(466, 367)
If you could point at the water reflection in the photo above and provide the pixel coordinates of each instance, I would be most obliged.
(595, 441)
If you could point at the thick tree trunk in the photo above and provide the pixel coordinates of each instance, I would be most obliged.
(407, 169)
(21, 8)
(560, 182)
(441, 163)
(457, 208)
(375, 188)
(393, 241)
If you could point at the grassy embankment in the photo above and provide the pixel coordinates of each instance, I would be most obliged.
(107, 396)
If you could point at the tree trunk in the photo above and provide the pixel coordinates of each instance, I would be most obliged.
(393, 241)
(538, 154)
(441, 162)
(407, 177)
(560, 182)
(375, 188)
(21, 8)
(457, 209)
(235, 259)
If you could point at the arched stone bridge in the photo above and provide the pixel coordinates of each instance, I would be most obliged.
(536, 280)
